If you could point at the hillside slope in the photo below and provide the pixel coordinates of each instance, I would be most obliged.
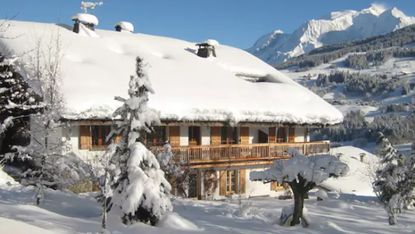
(371, 81)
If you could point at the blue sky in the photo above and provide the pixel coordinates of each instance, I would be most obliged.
(233, 22)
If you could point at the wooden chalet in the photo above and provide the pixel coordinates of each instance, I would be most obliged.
(224, 111)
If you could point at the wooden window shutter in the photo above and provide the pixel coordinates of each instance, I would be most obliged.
(242, 180)
(291, 134)
(85, 139)
(117, 139)
(275, 186)
(215, 135)
(222, 183)
(174, 135)
(244, 135)
(271, 136)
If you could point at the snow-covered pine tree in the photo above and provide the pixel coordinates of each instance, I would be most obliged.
(140, 190)
(390, 179)
(17, 102)
(301, 173)
(408, 188)
(177, 172)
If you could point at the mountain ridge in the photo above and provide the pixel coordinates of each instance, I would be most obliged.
(336, 27)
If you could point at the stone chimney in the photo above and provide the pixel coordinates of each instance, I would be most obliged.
(124, 26)
(83, 19)
(207, 48)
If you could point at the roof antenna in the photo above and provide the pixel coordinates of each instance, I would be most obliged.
(90, 5)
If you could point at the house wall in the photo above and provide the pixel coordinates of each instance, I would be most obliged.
(253, 134)
(252, 188)
(89, 156)
(258, 188)
(299, 134)
(184, 135)
(205, 132)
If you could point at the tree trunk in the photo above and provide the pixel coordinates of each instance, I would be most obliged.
(298, 206)
(300, 189)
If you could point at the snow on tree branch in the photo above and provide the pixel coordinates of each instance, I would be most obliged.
(302, 174)
(314, 169)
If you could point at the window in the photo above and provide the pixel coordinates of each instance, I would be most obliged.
(232, 182)
(229, 135)
(281, 135)
(99, 134)
(262, 137)
(157, 137)
(194, 135)
(93, 136)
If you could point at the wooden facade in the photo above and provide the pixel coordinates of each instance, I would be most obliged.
(227, 151)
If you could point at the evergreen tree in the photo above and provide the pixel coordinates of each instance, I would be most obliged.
(140, 190)
(177, 172)
(390, 179)
(17, 101)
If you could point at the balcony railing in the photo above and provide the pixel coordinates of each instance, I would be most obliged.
(203, 154)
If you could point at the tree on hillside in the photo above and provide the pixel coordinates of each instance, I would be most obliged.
(301, 173)
(140, 190)
(394, 182)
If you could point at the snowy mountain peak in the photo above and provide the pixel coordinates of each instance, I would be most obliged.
(375, 9)
(336, 27)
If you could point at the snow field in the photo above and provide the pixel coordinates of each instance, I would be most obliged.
(341, 212)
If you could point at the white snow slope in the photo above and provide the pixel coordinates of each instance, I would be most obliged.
(343, 212)
(187, 87)
(341, 26)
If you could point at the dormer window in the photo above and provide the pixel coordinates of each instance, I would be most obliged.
(124, 26)
(207, 48)
(87, 20)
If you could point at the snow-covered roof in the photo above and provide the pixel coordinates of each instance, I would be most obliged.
(86, 18)
(187, 87)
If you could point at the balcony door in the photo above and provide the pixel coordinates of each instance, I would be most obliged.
(232, 182)
(281, 135)
(262, 137)
(194, 135)
(229, 135)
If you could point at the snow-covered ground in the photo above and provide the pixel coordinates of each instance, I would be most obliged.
(353, 209)
(402, 68)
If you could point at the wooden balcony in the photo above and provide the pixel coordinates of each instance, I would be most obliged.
(205, 156)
